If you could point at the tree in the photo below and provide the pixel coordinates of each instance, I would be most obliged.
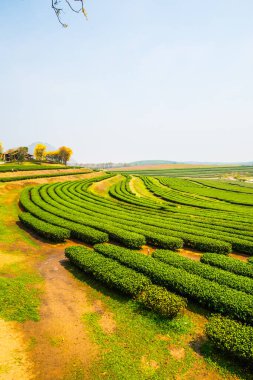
(64, 154)
(39, 152)
(53, 156)
(22, 153)
(58, 7)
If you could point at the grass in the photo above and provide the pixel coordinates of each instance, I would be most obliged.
(19, 294)
(101, 188)
(138, 187)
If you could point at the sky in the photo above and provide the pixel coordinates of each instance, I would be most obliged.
(145, 79)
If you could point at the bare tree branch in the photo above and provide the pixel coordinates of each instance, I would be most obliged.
(58, 10)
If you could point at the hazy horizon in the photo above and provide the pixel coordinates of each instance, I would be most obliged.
(163, 80)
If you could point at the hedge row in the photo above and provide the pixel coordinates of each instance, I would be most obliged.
(205, 271)
(126, 280)
(228, 263)
(127, 238)
(107, 271)
(231, 337)
(44, 229)
(214, 296)
(78, 231)
(173, 241)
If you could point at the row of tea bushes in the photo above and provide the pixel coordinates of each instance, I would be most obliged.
(44, 229)
(232, 337)
(126, 280)
(228, 264)
(212, 295)
(78, 231)
(205, 271)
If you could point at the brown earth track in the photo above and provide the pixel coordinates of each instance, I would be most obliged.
(61, 342)
(165, 166)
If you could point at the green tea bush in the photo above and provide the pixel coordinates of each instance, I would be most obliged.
(78, 231)
(228, 263)
(108, 271)
(161, 301)
(231, 337)
(168, 242)
(214, 296)
(44, 229)
(250, 260)
(206, 271)
(126, 280)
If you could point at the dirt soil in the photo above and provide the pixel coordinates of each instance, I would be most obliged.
(60, 338)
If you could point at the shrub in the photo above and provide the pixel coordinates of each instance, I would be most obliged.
(81, 232)
(163, 241)
(161, 301)
(44, 229)
(250, 260)
(126, 280)
(207, 293)
(108, 271)
(231, 336)
(228, 263)
(206, 244)
(206, 271)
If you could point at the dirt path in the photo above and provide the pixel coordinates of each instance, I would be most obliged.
(62, 348)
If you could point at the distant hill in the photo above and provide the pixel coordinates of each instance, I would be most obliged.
(151, 162)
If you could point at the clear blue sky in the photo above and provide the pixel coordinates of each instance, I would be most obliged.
(160, 79)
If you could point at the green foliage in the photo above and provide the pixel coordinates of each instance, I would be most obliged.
(44, 229)
(231, 336)
(250, 260)
(214, 296)
(228, 263)
(163, 241)
(206, 271)
(84, 233)
(108, 271)
(126, 280)
(161, 301)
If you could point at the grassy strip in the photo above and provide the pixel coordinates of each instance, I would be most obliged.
(18, 299)
(5, 168)
(230, 336)
(21, 178)
(228, 263)
(205, 271)
(214, 296)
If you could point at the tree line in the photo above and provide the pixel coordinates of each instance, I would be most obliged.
(61, 155)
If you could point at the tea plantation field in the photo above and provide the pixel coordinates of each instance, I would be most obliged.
(214, 218)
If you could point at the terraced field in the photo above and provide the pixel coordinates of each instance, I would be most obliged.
(200, 172)
(121, 217)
